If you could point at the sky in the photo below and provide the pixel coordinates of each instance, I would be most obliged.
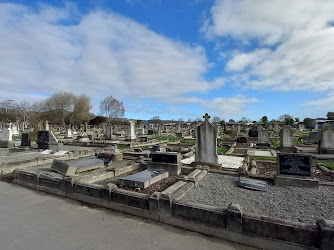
(173, 58)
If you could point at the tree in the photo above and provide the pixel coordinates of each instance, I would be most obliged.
(112, 108)
(288, 119)
(297, 119)
(58, 106)
(81, 109)
(216, 119)
(308, 122)
(231, 121)
(264, 119)
(245, 120)
(330, 115)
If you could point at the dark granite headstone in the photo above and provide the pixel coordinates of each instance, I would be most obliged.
(167, 157)
(47, 140)
(253, 133)
(25, 140)
(144, 139)
(241, 140)
(295, 165)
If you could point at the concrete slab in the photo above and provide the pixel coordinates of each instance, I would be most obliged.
(143, 179)
(70, 168)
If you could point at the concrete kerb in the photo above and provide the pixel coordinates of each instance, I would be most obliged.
(231, 223)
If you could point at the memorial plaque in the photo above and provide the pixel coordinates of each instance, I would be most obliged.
(252, 184)
(167, 157)
(295, 165)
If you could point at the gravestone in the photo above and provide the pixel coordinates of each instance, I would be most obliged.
(327, 139)
(241, 139)
(85, 128)
(252, 184)
(299, 165)
(25, 140)
(47, 140)
(168, 161)
(253, 132)
(108, 131)
(131, 131)
(263, 138)
(286, 138)
(68, 133)
(206, 143)
(7, 140)
(47, 127)
(295, 170)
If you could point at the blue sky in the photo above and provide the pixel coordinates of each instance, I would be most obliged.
(173, 58)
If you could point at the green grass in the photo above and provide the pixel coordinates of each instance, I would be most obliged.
(263, 158)
(169, 138)
(297, 142)
(275, 143)
(122, 147)
(16, 137)
(222, 150)
(329, 165)
(302, 133)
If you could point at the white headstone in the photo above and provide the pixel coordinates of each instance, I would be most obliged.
(131, 131)
(286, 135)
(7, 134)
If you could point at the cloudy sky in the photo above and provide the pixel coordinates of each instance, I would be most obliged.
(173, 58)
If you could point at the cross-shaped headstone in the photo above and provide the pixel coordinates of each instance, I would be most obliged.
(206, 117)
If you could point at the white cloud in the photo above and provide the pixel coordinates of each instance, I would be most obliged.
(227, 106)
(301, 31)
(326, 103)
(99, 54)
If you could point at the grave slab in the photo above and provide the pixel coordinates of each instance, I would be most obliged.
(252, 184)
(70, 168)
(143, 179)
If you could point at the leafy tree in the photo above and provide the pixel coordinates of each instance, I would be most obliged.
(81, 109)
(112, 108)
(231, 121)
(264, 119)
(288, 119)
(330, 115)
(308, 122)
(58, 106)
(297, 119)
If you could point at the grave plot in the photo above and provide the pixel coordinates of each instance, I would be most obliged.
(297, 204)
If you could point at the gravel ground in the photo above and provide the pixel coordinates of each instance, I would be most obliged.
(296, 204)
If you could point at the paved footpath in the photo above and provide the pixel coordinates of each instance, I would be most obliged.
(36, 220)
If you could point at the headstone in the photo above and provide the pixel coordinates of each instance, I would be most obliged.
(47, 140)
(263, 138)
(108, 131)
(327, 139)
(168, 161)
(144, 139)
(85, 128)
(143, 179)
(25, 140)
(253, 132)
(6, 140)
(206, 143)
(298, 165)
(131, 131)
(241, 139)
(15, 131)
(68, 133)
(286, 137)
(47, 126)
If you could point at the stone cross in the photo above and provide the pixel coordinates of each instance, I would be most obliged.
(206, 117)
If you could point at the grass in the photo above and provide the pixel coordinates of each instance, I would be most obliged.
(264, 158)
(329, 165)
(16, 137)
(297, 143)
(275, 143)
(302, 133)
(222, 150)
(122, 147)
(169, 138)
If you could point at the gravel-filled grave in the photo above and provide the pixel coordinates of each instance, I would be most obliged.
(297, 204)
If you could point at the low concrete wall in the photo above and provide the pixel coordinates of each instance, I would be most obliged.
(232, 223)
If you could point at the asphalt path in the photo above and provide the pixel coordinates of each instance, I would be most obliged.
(35, 220)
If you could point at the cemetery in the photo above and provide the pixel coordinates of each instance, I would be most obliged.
(269, 186)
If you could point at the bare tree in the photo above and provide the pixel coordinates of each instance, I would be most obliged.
(23, 111)
(215, 119)
(156, 119)
(112, 108)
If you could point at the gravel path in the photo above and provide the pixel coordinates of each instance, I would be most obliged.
(304, 205)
